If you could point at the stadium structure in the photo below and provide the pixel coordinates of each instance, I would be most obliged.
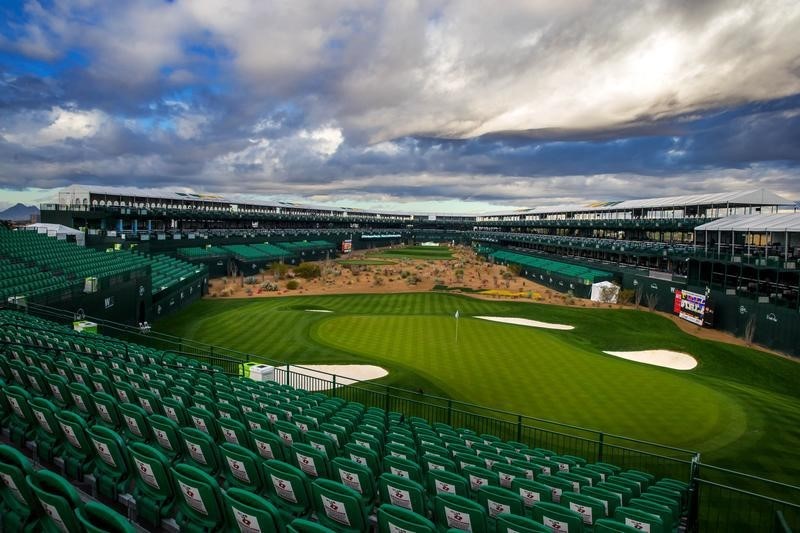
(152, 439)
(739, 250)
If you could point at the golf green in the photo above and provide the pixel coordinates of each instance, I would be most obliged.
(739, 407)
(416, 252)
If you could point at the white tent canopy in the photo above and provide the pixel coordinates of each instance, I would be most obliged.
(58, 231)
(781, 222)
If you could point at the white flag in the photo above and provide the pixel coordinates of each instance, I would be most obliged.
(457, 314)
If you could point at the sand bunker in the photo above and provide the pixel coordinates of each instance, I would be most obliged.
(318, 310)
(526, 322)
(665, 358)
(345, 375)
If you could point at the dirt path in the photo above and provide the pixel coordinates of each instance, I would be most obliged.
(465, 269)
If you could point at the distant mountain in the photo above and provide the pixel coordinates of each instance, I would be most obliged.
(19, 212)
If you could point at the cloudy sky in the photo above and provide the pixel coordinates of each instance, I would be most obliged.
(459, 105)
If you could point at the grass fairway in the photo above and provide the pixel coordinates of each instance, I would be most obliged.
(416, 252)
(739, 407)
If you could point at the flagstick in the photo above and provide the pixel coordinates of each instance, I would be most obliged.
(456, 331)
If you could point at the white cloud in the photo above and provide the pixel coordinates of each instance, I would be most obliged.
(57, 125)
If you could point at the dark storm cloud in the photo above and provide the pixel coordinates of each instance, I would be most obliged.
(519, 103)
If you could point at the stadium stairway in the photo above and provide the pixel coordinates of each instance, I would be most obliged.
(103, 435)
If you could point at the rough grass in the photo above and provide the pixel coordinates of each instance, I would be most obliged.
(739, 407)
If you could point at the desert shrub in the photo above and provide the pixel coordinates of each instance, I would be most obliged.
(250, 280)
(279, 270)
(625, 296)
(269, 286)
(307, 270)
(292, 284)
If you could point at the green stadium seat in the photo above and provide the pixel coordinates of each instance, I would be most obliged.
(301, 525)
(59, 390)
(625, 494)
(201, 450)
(558, 484)
(578, 481)
(112, 470)
(367, 440)
(403, 467)
(242, 467)
(639, 519)
(310, 460)
(250, 512)
(403, 492)
(98, 518)
(19, 508)
(458, 512)
(58, 499)
(608, 525)
(587, 506)
(288, 487)
(478, 477)
(205, 421)
(166, 437)
(557, 517)
(662, 511)
(396, 519)
(363, 455)
(667, 492)
(497, 500)
(444, 482)
(125, 393)
(506, 473)
(232, 429)
(200, 506)
(82, 403)
(634, 487)
(37, 381)
(643, 481)
(509, 523)
(267, 444)
(153, 491)
(288, 432)
(256, 420)
(20, 422)
(322, 442)
(137, 427)
(673, 504)
(431, 461)
(48, 436)
(107, 409)
(78, 453)
(338, 507)
(611, 500)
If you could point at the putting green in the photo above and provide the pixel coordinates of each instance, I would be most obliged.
(540, 373)
(739, 407)
(416, 252)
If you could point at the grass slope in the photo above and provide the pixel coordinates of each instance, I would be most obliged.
(740, 407)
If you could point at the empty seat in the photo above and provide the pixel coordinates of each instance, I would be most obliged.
(200, 502)
(59, 500)
(288, 487)
(153, 491)
(98, 518)
(19, 507)
(458, 512)
(393, 519)
(338, 507)
(249, 512)
(557, 517)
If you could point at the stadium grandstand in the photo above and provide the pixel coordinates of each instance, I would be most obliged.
(108, 426)
(655, 245)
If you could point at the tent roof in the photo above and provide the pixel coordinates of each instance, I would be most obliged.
(58, 229)
(754, 223)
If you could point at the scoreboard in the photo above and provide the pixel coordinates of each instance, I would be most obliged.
(690, 306)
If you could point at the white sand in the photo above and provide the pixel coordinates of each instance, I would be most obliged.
(345, 375)
(526, 322)
(318, 310)
(665, 358)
